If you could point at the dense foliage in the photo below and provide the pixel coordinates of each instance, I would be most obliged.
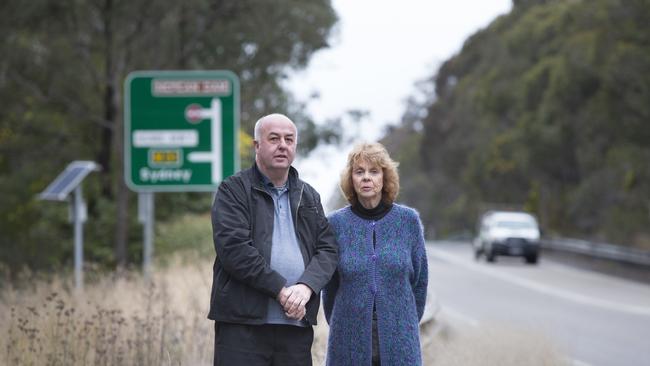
(61, 77)
(547, 110)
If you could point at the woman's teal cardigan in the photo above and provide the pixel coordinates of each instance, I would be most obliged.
(393, 276)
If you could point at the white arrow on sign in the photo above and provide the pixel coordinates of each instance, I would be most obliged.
(214, 156)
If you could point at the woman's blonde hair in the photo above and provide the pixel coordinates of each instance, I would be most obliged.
(374, 153)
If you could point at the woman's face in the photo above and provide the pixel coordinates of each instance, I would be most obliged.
(368, 180)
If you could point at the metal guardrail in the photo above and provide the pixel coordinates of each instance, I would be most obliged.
(599, 250)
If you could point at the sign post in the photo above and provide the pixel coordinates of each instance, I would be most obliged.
(180, 135)
(146, 218)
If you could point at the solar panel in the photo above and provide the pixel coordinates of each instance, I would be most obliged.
(68, 180)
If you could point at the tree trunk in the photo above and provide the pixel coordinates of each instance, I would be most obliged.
(122, 219)
(182, 39)
(104, 154)
(110, 109)
(112, 140)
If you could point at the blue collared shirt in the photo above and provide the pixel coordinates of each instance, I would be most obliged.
(286, 257)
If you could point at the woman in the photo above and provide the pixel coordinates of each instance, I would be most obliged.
(375, 300)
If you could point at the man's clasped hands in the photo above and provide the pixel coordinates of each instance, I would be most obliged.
(294, 299)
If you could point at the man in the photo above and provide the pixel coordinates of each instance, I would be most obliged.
(275, 251)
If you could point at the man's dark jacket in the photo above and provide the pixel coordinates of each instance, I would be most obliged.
(242, 227)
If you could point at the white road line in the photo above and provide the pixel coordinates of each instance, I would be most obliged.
(581, 299)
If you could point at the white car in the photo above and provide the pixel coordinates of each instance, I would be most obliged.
(507, 233)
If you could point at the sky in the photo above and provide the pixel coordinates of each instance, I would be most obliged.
(380, 49)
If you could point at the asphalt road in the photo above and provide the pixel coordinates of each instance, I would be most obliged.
(595, 319)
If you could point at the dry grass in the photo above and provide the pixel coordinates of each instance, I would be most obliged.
(319, 348)
(119, 321)
(127, 321)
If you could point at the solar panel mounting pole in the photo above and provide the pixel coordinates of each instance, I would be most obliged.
(79, 216)
(67, 187)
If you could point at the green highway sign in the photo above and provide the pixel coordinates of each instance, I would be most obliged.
(180, 130)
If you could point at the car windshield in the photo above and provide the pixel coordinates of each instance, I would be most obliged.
(515, 225)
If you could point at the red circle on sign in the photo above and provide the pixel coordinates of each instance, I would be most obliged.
(193, 113)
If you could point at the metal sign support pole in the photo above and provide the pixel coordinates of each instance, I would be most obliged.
(79, 216)
(146, 217)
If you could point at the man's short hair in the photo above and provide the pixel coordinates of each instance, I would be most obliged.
(258, 125)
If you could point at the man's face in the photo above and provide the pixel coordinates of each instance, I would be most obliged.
(276, 148)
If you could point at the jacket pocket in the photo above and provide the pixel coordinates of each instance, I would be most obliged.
(240, 303)
(309, 219)
(309, 214)
(222, 280)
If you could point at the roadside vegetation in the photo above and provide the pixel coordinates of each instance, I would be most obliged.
(125, 320)
(544, 110)
(117, 319)
(61, 84)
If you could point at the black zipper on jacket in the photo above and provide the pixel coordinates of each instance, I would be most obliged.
(295, 216)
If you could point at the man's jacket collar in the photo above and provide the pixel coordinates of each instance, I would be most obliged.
(258, 178)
